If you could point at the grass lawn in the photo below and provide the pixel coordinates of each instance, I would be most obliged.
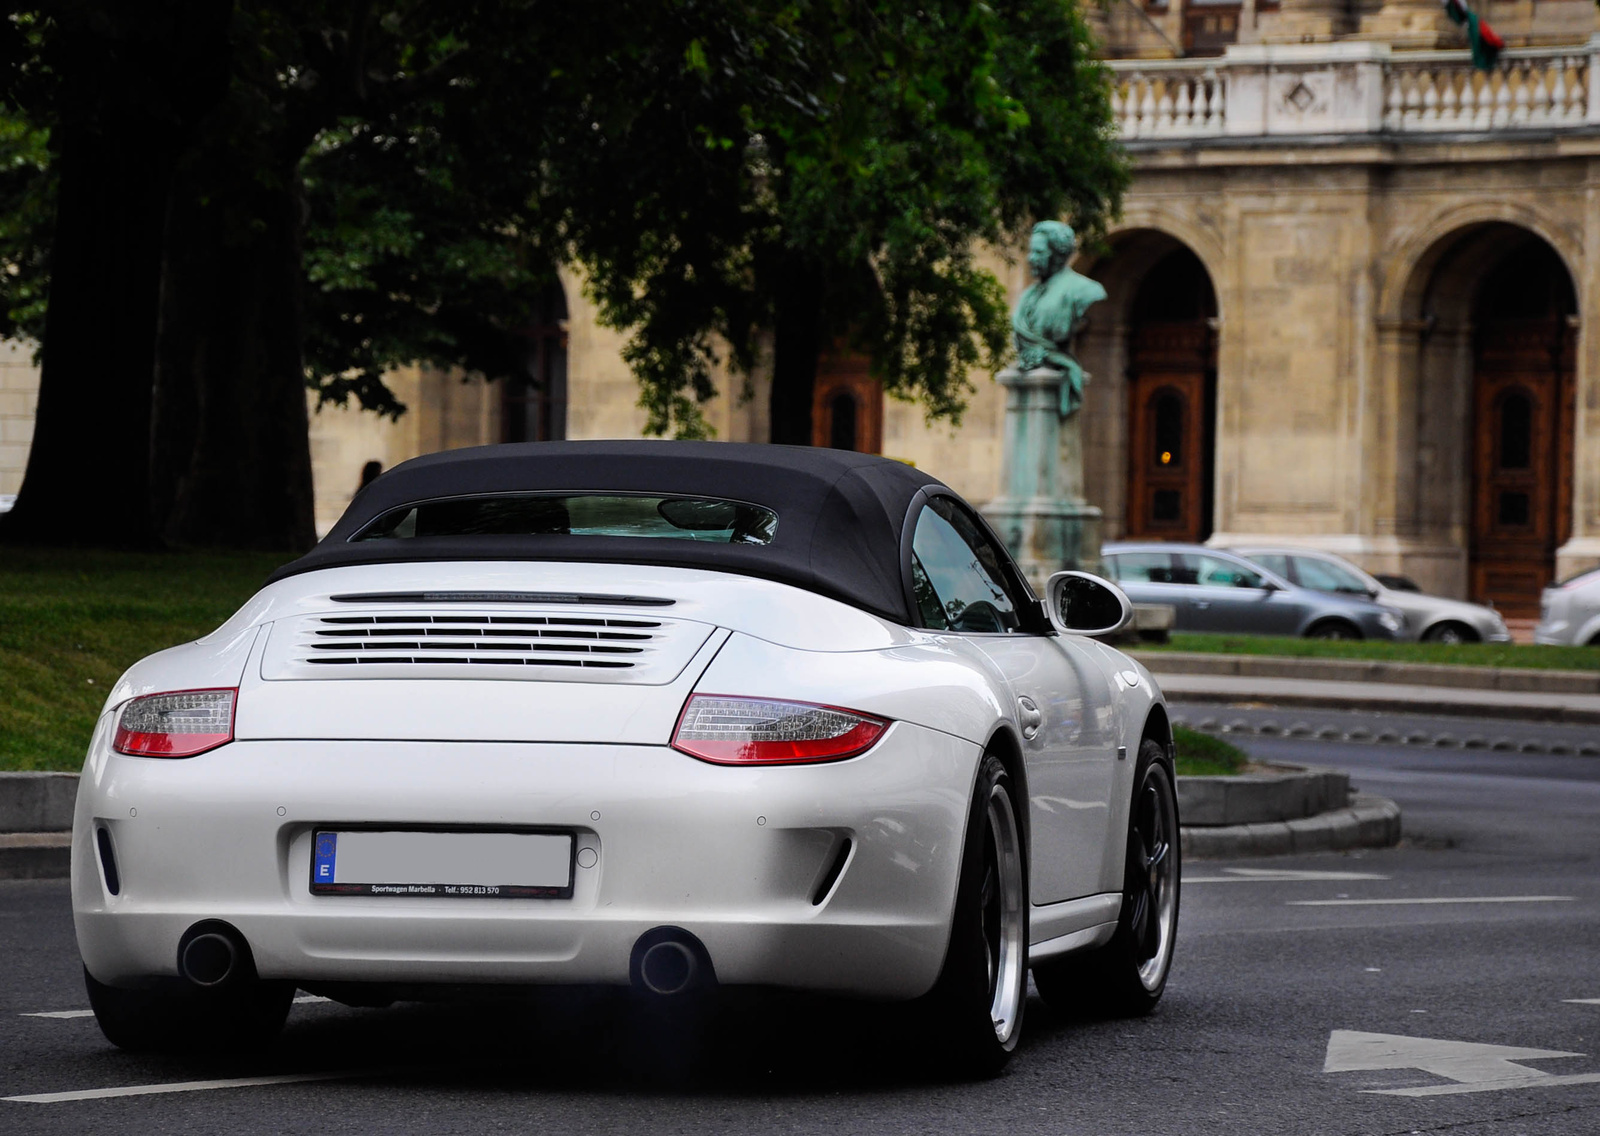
(71, 622)
(1201, 755)
(1463, 654)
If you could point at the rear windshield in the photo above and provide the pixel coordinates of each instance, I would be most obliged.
(578, 514)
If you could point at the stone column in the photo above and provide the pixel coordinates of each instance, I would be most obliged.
(1411, 24)
(1305, 21)
(1041, 514)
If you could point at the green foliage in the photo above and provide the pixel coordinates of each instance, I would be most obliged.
(27, 208)
(72, 622)
(1538, 657)
(1201, 755)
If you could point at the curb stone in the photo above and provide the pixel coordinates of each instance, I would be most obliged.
(1368, 822)
(35, 855)
(1520, 680)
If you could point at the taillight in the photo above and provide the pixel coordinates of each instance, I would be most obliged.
(181, 723)
(769, 731)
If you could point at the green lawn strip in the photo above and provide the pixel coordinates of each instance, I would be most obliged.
(1201, 755)
(71, 622)
(1463, 654)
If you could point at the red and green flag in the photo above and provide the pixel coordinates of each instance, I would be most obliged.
(1486, 45)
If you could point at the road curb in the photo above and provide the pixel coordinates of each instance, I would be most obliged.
(35, 855)
(1396, 703)
(1511, 680)
(1368, 822)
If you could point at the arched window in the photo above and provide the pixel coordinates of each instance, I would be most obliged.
(842, 421)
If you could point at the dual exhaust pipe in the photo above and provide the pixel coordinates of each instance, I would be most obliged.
(666, 961)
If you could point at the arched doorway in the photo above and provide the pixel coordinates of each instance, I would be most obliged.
(534, 404)
(1522, 433)
(846, 403)
(1172, 369)
(1491, 453)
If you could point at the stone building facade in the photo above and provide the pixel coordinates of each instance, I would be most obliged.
(1347, 304)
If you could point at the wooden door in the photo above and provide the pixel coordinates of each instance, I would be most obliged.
(1169, 463)
(1523, 404)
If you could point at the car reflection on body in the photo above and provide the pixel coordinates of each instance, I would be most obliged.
(1569, 611)
(1216, 591)
(667, 715)
(1431, 619)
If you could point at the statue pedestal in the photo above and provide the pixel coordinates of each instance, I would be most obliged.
(1041, 513)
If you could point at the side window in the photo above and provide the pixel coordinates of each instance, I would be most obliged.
(1144, 567)
(1214, 572)
(1326, 577)
(1274, 562)
(956, 574)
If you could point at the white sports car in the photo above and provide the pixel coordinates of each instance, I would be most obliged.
(671, 715)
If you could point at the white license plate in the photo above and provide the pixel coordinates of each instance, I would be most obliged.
(452, 864)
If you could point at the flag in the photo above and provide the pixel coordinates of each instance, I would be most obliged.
(1486, 45)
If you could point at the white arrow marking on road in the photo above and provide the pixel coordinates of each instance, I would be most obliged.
(1428, 899)
(1275, 875)
(60, 1014)
(1474, 1067)
(1583, 1001)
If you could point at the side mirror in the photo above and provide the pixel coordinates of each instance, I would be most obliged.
(1081, 604)
(1269, 585)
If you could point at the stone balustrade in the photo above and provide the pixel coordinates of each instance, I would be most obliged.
(1347, 87)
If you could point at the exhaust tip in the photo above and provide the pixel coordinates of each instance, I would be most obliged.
(212, 954)
(669, 961)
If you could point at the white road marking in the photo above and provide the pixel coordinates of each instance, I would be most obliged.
(177, 1087)
(1583, 1001)
(1472, 1066)
(300, 1000)
(1276, 875)
(1428, 900)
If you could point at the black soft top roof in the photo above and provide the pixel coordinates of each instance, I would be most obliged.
(840, 514)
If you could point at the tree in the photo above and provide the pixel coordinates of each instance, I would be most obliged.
(250, 196)
(854, 154)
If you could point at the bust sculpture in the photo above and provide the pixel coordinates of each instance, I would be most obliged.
(1053, 310)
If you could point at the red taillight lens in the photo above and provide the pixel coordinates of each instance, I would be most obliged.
(769, 731)
(181, 723)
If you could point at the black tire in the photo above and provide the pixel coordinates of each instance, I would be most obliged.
(1127, 976)
(973, 1014)
(171, 1017)
(1333, 629)
(1450, 632)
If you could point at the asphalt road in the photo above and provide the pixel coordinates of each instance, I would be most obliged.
(1485, 933)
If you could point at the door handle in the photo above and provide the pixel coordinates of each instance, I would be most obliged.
(1202, 604)
(1030, 717)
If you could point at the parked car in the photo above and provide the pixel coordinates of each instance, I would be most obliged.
(1432, 619)
(1212, 590)
(1569, 611)
(656, 714)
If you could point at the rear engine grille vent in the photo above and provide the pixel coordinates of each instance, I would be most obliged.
(598, 642)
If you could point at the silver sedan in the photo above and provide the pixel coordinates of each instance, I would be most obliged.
(1569, 611)
(1212, 590)
(1432, 619)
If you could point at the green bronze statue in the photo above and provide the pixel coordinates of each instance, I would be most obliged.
(1052, 311)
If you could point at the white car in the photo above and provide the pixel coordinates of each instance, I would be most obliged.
(1432, 619)
(668, 715)
(1569, 611)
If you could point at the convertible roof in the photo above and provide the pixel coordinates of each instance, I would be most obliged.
(840, 514)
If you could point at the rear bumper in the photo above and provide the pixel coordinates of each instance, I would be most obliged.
(735, 856)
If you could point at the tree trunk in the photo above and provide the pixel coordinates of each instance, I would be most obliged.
(87, 475)
(797, 341)
(136, 76)
(230, 446)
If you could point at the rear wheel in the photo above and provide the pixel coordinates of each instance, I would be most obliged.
(1126, 977)
(1334, 629)
(241, 1015)
(975, 1007)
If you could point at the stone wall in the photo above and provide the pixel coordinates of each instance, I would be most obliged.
(19, 398)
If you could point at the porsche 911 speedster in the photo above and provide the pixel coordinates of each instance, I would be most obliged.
(663, 714)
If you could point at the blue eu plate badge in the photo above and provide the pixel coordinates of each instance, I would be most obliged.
(327, 849)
